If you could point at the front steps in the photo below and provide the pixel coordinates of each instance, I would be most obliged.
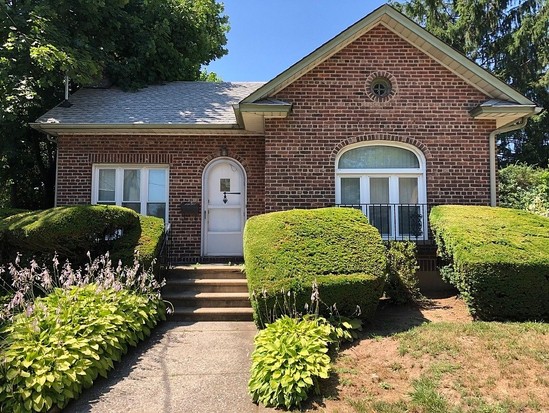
(207, 292)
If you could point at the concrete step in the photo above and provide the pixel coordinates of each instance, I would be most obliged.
(204, 299)
(211, 292)
(207, 285)
(211, 271)
(212, 314)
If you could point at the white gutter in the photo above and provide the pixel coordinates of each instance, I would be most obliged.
(503, 129)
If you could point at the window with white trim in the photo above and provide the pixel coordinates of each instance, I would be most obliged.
(386, 180)
(141, 188)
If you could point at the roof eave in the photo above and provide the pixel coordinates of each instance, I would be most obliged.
(56, 129)
(267, 110)
(487, 111)
(506, 115)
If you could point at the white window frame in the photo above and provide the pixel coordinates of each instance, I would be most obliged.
(392, 173)
(119, 183)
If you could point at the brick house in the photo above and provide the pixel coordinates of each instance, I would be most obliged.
(384, 117)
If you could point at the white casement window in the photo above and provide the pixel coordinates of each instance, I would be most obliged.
(141, 188)
(386, 180)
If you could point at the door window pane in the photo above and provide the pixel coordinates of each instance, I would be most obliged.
(107, 185)
(380, 216)
(380, 213)
(225, 185)
(157, 186)
(407, 190)
(410, 221)
(131, 185)
(379, 190)
(350, 191)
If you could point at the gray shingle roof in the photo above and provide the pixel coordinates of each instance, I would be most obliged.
(177, 103)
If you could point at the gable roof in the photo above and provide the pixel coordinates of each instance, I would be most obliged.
(407, 29)
(177, 104)
(196, 107)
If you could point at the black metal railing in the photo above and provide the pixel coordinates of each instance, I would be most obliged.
(164, 261)
(403, 222)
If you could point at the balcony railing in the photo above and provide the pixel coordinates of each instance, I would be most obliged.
(402, 222)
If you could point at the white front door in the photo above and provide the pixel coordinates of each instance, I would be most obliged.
(224, 208)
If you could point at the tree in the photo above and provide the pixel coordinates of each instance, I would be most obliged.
(510, 38)
(131, 43)
(524, 187)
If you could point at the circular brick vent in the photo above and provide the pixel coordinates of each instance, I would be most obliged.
(381, 87)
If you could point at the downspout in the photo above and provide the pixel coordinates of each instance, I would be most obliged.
(503, 129)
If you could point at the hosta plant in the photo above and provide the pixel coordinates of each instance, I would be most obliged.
(290, 357)
(62, 342)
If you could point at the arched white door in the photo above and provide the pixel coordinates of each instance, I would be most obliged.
(224, 208)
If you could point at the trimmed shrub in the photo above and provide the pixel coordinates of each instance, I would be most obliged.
(402, 284)
(288, 251)
(499, 259)
(150, 230)
(73, 231)
(7, 212)
(64, 341)
(288, 360)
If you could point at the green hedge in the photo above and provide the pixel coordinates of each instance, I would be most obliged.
(6, 212)
(71, 337)
(75, 230)
(499, 259)
(288, 251)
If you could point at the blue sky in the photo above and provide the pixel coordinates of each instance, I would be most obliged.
(268, 36)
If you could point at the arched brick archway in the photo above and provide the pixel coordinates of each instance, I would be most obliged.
(379, 137)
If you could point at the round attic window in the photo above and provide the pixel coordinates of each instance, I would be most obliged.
(381, 86)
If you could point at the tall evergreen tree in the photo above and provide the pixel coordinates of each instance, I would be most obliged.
(130, 42)
(511, 39)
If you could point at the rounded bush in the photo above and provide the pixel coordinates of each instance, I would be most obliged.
(288, 251)
(75, 230)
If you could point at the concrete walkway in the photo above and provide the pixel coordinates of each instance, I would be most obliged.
(183, 367)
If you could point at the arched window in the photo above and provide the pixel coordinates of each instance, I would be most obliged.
(386, 180)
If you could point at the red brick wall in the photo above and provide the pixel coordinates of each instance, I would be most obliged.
(294, 165)
(186, 158)
(332, 109)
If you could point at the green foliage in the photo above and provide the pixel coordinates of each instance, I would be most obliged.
(288, 360)
(402, 284)
(288, 251)
(73, 231)
(66, 340)
(524, 187)
(344, 329)
(499, 258)
(511, 39)
(7, 212)
(149, 235)
(131, 42)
